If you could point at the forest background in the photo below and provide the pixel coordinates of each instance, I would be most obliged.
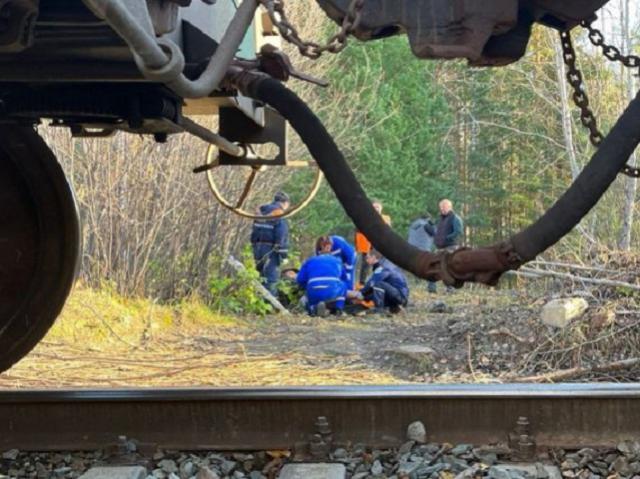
(502, 143)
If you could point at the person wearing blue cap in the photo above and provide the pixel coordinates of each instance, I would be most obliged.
(270, 240)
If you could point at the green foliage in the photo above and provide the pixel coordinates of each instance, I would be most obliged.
(395, 118)
(235, 292)
(489, 139)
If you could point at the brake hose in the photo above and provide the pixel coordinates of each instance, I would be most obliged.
(484, 265)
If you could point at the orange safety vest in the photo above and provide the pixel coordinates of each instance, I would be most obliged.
(363, 245)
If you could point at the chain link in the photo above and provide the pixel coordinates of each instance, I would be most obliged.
(611, 52)
(335, 44)
(580, 98)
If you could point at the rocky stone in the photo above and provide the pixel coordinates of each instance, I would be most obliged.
(42, 472)
(376, 468)
(227, 466)
(621, 466)
(11, 454)
(461, 449)
(406, 448)
(168, 466)
(629, 448)
(417, 432)
(559, 312)
(407, 468)
(526, 471)
(426, 470)
(187, 469)
(609, 458)
(256, 475)
(313, 471)
(439, 307)
(206, 473)
(135, 472)
(569, 464)
(340, 453)
(487, 458)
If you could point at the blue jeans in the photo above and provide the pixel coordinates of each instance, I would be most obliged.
(268, 265)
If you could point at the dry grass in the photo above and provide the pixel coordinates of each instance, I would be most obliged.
(103, 340)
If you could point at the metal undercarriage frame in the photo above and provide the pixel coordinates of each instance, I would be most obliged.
(133, 46)
(59, 60)
(487, 33)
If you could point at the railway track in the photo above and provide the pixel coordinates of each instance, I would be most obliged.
(567, 416)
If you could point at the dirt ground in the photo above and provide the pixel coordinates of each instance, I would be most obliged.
(476, 335)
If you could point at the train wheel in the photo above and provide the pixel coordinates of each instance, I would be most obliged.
(39, 241)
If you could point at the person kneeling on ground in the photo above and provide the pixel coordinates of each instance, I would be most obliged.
(387, 287)
(324, 280)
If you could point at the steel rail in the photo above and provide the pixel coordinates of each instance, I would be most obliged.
(568, 415)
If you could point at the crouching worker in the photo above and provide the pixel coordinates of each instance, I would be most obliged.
(387, 287)
(324, 281)
(340, 248)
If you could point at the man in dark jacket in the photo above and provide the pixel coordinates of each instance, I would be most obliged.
(387, 287)
(447, 234)
(270, 240)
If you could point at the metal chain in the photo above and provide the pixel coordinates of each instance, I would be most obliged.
(335, 44)
(610, 51)
(580, 98)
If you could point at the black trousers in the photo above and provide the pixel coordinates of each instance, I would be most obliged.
(385, 295)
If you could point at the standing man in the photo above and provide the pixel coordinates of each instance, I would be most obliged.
(419, 236)
(341, 249)
(363, 245)
(270, 240)
(447, 234)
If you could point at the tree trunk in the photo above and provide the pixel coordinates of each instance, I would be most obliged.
(567, 132)
(624, 242)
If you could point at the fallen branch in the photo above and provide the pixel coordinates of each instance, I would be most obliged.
(573, 277)
(264, 292)
(504, 331)
(571, 373)
(579, 267)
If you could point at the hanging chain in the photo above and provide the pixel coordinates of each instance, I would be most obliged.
(335, 44)
(580, 98)
(610, 51)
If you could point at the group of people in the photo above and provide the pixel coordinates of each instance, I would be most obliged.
(340, 276)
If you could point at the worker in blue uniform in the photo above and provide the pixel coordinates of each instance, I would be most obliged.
(341, 249)
(324, 280)
(270, 240)
(387, 287)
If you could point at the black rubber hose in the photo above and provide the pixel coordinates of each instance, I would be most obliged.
(338, 173)
(464, 265)
(586, 190)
